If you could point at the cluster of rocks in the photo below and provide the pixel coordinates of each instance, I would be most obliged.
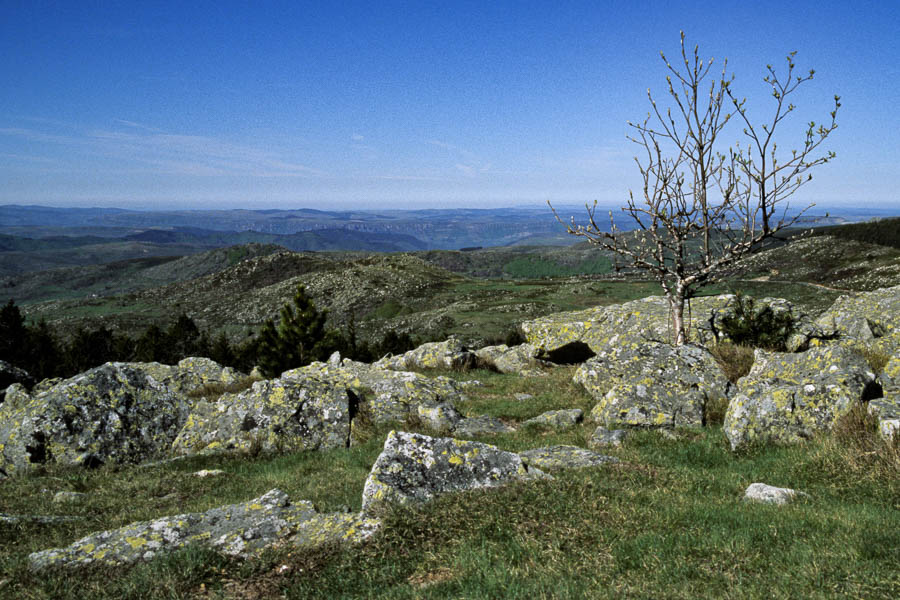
(412, 468)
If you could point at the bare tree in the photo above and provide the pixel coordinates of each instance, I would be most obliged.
(701, 209)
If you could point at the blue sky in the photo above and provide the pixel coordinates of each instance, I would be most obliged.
(407, 104)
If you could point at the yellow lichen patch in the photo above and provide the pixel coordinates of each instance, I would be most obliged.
(455, 460)
(135, 542)
(87, 548)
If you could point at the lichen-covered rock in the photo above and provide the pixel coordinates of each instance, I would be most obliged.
(789, 397)
(603, 437)
(439, 417)
(110, 413)
(867, 318)
(652, 384)
(238, 530)
(768, 494)
(557, 458)
(634, 323)
(10, 374)
(481, 425)
(390, 396)
(189, 374)
(887, 411)
(273, 415)
(557, 419)
(521, 360)
(449, 354)
(416, 468)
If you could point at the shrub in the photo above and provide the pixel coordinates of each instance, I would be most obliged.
(757, 326)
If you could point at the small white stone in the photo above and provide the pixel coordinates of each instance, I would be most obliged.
(760, 492)
(209, 473)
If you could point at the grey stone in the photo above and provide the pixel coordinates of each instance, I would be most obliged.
(10, 374)
(521, 397)
(767, 494)
(557, 458)
(449, 354)
(439, 417)
(603, 437)
(415, 468)
(39, 519)
(521, 360)
(69, 497)
(482, 425)
(557, 419)
(865, 318)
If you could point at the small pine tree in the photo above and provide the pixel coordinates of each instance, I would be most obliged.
(298, 339)
(12, 334)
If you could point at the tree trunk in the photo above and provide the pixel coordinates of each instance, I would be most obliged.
(676, 305)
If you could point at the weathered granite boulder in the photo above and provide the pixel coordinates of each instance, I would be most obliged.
(238, 530)
(559, 420)
(481, 425)
(114, 412)
(603, 438)
(789, 397)
(390, 396)
(867, 318)
(557, 458)
(574, 336)
(449, 354)
(768, 494)
(10, 374)
(652, 384)
(439, 417)
(522, 360)
(415, 468)
(274, 415)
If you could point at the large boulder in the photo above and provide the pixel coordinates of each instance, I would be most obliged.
(575, 336)
(237, 530)
(415, 468)
(521, 360)
(274, 415)
(867, 318)
(389, 396)
(887, 409)
(449, 354)
(652, 384)
(789, 397)
(114, 412)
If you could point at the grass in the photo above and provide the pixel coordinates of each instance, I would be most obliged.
(666, 522)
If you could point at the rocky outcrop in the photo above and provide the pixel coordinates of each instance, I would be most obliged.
(450, 354)
(115, 412)
(868, 318)
(237, 530)
(521, 360)
(789, 397)
(415, 468)
(276, 415)
(652, 384)
(557, 458)
(389, 396)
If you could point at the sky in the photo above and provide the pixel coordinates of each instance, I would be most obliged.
(335, 105)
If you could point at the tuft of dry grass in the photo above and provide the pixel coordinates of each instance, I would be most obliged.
(212, 391)
(877, 359)
(735, 360)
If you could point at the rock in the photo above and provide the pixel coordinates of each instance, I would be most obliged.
(274, 415)
(17, 395)
(204, 473)
(887, 412)
(237, 530)
(760, 492)
(521, 360)
(439, 417)
(523, 397)
(415, 468)
(603, 437)
(39, 519)
(335, 359)
(557, 419)
(69, 497)
(789, 397)
(449, 354)
(483, 425)
(867, 318)
(110, 413)
(556, 458)
(332, 528)
(389, 396)
(652, 384)
(10, 374)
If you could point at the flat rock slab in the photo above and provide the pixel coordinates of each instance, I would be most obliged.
(415, 468)
(559, 420)
(558, 458)
(483, 425)
(236, 530)
(789, 397)
(767, 494)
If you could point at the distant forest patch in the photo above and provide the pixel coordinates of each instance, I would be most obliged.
(884, 232)
(532, 267)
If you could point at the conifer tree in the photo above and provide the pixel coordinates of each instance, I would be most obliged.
(298, 339)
